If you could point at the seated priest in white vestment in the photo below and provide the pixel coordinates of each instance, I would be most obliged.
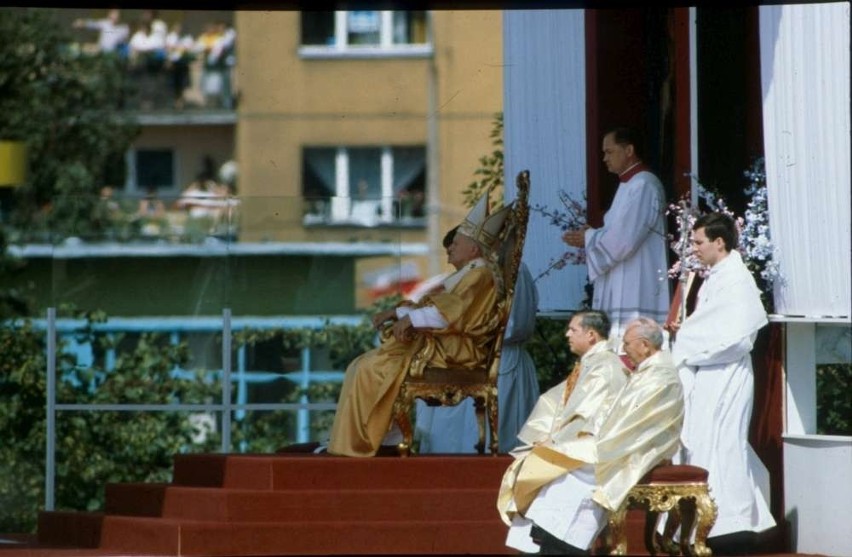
(453, 429)
(626, 257)
(453, 327)
(712, 350)
(576, 469)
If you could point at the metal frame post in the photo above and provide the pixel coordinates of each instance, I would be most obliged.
(50, 432)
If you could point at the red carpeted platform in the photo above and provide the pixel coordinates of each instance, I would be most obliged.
(300, 504)
(297, 504)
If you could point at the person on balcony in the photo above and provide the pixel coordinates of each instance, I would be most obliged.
(112, 34)
(587, 446)
(179, 52)
(455, 326)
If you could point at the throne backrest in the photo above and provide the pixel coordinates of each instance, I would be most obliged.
(509, 253)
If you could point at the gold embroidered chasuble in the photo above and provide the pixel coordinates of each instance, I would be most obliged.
(559, 435)
(642, 429)
(373, 379)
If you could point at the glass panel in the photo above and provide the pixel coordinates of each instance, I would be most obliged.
(317, 28)
(363, 27)
(318, 171)
(409, 181)
(409, 27)
(140, 323)
(834, 379)
(263, 431)
(365, 185)
(94, 448)
(155, 169)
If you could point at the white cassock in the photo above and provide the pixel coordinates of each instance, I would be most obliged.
(713, 353)
(453, 429)
(565, 509)
(626, 257)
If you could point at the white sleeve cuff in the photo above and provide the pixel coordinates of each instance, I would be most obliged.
(427, 318)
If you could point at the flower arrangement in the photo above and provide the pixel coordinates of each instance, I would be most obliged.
(572, 218)
(755, 244)
(685, 216)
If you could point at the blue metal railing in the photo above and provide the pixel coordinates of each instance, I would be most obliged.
(174, 326)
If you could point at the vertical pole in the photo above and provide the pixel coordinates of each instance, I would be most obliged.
(242, 389)
(387, 185)
(433, 183)
(693, 102)
(50, 458)
(226, 380)
(302, 416)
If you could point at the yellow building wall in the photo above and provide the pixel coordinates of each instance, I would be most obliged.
(288, 102)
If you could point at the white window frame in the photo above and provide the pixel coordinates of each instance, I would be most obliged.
(385, 49)
(341, 203)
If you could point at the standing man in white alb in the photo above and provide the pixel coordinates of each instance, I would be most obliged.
(712, 350)
(626, 257)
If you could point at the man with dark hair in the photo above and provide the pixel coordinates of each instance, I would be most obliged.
(532, 495)
(719, 225)
(713, 353)
(627, 255)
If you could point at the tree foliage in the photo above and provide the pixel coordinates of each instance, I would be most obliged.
(66, 108)
(91, 447)
(834, 402)
(490, 170)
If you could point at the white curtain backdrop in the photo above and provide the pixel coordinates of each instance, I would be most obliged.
(544, 102)
(804, 58)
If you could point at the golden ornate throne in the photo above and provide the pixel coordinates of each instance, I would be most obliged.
(447, 386)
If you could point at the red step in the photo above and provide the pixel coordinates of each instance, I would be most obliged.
(241, 505)
(329, 472)
(302, 504)
(180, 537)
(69, 529)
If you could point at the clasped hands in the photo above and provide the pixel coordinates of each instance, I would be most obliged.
(402, 329)
(576, 237)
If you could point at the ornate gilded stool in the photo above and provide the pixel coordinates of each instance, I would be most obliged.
(682, 491)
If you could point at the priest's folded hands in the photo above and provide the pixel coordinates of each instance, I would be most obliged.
(575, 237)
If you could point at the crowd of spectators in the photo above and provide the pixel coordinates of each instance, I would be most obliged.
(160, 56)
(206, 207)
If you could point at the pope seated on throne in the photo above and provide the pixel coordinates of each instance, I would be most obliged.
(454, 326)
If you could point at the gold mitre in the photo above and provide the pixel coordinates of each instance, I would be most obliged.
(483, 228)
